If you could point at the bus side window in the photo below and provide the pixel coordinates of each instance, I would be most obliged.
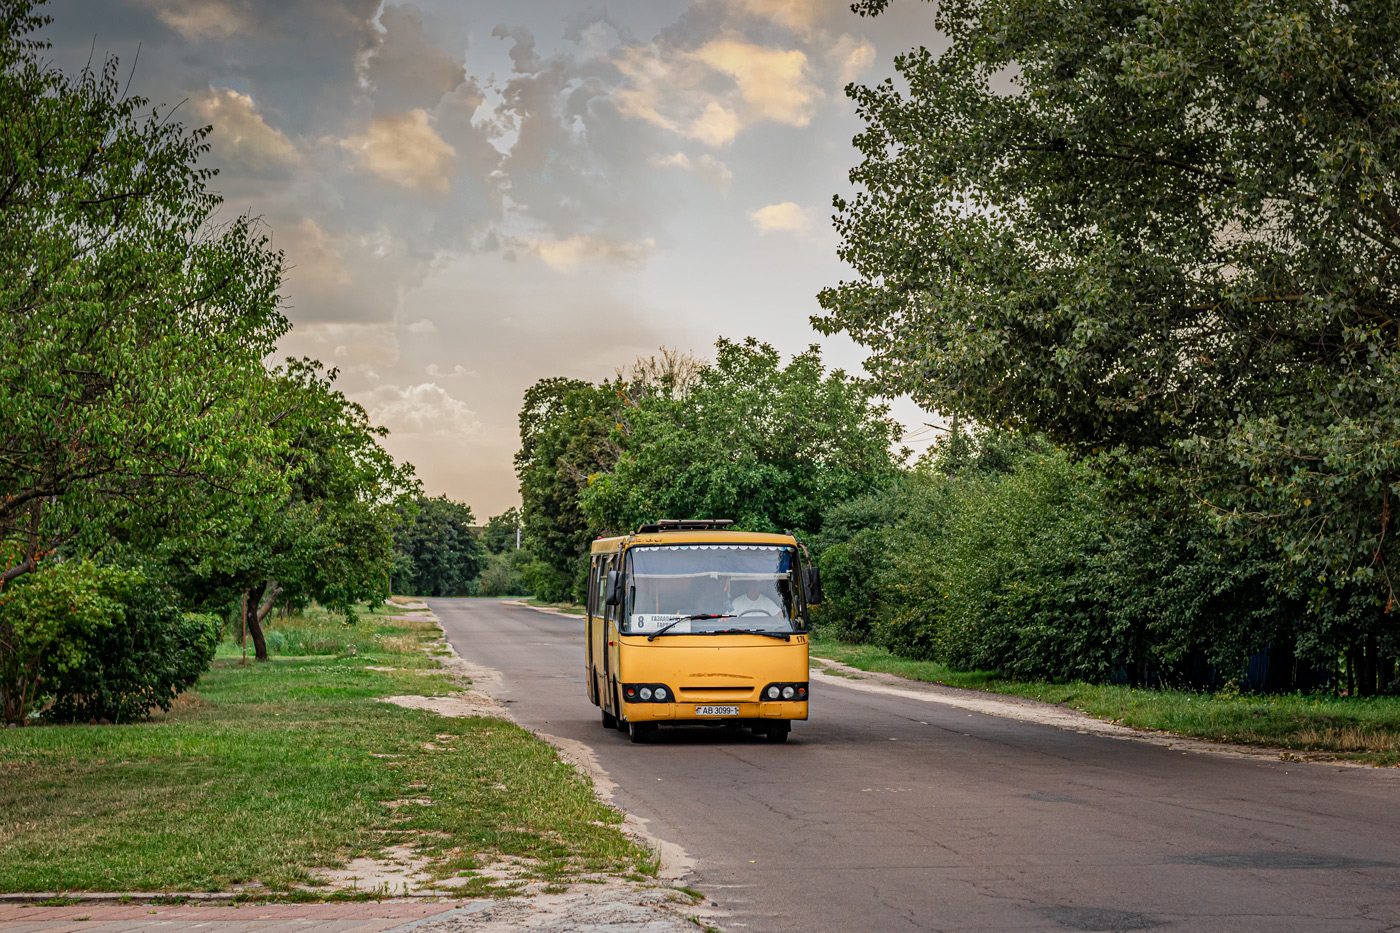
(595, 586)
(614, 612)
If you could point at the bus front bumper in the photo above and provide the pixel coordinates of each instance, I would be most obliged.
(718, 712)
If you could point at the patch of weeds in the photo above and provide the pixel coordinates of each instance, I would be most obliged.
(60, 900)
(170, 900)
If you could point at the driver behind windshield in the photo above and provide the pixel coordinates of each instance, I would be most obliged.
(754, 599)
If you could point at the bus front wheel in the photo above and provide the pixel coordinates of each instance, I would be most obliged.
(609, 720)
(778, 731)
(640, 732)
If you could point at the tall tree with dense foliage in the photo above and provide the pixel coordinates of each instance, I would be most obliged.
(1163, 227)
(440, 553)
(769, 445)
(327, 536)
(134, 326)
(566, 428)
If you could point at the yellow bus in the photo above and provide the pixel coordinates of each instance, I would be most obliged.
(691, 623)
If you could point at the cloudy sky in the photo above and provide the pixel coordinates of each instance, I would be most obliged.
(476, 194)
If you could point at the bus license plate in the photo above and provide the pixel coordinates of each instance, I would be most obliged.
(717, 711)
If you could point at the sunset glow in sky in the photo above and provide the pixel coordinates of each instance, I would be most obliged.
(476, 195)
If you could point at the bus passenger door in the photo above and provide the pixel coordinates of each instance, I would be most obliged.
(590, 609)
(608, 638)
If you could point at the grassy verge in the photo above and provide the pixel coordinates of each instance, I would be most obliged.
(266, 772)
(1364, 729)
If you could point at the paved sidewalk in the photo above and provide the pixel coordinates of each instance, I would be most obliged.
(366, 917)
(605, 909)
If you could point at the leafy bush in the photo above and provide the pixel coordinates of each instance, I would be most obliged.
(502, 575)
(1011, 558)
(149, 654)
(49, 621)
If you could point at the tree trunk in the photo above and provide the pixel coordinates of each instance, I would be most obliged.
(253, 620)
(269, 600)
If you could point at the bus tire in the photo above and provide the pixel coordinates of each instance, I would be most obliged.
(609, 720)
(640, 732)
(777, 732)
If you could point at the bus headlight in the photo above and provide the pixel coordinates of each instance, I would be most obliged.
(647, 693)
(780, 691)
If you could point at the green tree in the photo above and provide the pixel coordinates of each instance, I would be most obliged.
(328, 537)
(1162, 227)
(134, 325)
(566, 435)
(441, 554)
(768, 445)
(502, 532)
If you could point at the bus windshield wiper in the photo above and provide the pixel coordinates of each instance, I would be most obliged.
(785, 636)
(699, 615)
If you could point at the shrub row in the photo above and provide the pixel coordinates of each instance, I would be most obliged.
(1011, 558)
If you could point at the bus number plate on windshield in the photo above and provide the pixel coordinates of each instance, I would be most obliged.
(717, 711)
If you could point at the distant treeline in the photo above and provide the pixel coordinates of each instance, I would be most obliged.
(994, 551)
(438, 551)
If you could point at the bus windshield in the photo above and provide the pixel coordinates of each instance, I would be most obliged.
(695, 589)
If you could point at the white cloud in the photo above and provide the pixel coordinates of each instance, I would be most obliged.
(794, 14)
(403, 148)
(717, 126)
(714, 92)
(584, 249)
(356, 349)
(420, 409)
(786, 217)
(851, 58)
(424, 326)
(241, 134)
(773, 82)
(202, 19)
(314, 258)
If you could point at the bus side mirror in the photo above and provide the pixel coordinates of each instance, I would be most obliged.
(813, 587)
(614, 591)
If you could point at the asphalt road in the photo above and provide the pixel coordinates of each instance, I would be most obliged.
(887, 814)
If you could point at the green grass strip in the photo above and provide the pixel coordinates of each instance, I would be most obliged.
(266, 772)
(1364, 729)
